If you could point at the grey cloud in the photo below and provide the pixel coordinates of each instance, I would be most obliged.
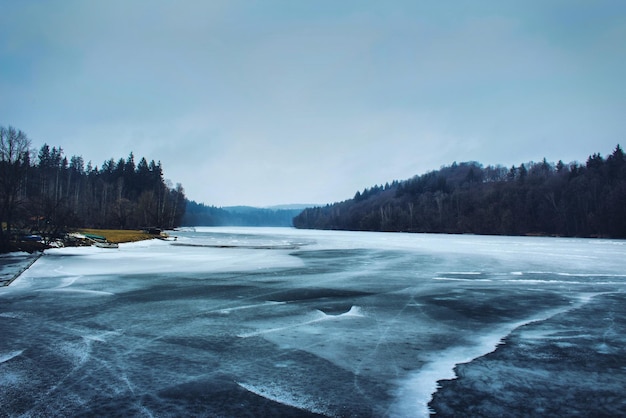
(278, 102)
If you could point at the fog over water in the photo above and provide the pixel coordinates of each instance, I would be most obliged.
(285, 322)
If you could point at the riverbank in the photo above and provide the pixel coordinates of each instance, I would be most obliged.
(119, 236)
(20, 255)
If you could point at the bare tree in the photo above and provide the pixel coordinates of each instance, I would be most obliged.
(14, 162)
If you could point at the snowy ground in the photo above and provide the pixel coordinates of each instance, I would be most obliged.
(259, 322)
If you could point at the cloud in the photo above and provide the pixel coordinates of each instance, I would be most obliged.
(278, 102)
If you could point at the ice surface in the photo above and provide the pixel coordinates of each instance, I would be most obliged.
(12, 264)
(8, 356)
(277, 321)
(416, 393)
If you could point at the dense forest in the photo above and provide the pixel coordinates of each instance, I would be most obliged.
(197, 214)
(534, 198)
(48, 193)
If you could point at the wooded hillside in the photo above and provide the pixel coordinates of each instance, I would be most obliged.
(534, 198)
(46, 192)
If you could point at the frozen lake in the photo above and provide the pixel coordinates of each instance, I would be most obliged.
(284, 322)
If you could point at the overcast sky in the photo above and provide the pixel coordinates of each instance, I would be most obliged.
(273, 102)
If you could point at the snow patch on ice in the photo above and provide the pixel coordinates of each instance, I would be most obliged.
(10, 378)
(78, 353)
(284, 396)
(4, 357)
(354, 312)
(101, 337)
(226, 311)
(604, 348)
(458, 279)
(414, 394)
(154, 256)
(82, 291)
(14, 315)
(129, 385)
(552, 335)
(539, 281)
(590, 275)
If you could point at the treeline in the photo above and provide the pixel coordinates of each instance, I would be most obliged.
(198, 214)
(46, 192)
(535, 198)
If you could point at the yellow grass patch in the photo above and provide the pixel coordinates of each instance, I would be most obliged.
(119, 235)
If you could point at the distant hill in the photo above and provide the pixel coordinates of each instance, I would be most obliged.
(533, 198)
(294, 206)
(248, 209)
(198, 214)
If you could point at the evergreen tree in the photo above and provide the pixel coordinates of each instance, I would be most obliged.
(532, 198)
